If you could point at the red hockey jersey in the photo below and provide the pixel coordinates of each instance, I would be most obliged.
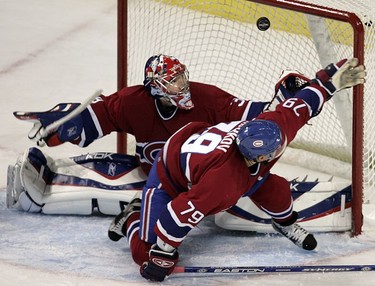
(133, 111)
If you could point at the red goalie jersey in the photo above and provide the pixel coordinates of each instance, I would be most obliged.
(132, 110)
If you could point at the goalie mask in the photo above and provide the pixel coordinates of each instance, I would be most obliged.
(260, 141)
(166, 77)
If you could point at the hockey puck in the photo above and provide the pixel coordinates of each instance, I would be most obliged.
(263, 23)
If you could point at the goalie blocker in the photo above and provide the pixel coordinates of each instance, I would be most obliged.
(105, 183)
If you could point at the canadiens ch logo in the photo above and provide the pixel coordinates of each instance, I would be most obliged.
(148, 151)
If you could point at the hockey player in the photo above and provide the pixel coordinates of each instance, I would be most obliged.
(204, 169)
(151, 112)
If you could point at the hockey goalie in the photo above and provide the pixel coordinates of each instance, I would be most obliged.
(105, 182)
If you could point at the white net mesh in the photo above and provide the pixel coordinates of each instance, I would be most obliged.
(221, 45)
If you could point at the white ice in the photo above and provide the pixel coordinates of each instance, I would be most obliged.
(63, 51)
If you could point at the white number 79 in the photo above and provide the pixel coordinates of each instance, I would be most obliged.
(291, 103)
(196, 215)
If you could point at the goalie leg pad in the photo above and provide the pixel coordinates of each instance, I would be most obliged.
(100, 182)
(34, 174)
(78, 207)
(17, 197)
(27, 180)
(69, 200)
(322, 206)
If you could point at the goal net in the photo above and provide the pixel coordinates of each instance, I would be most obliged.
(221, 44)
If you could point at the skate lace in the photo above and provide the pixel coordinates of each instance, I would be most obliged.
(116, 226)
(118, 223)
(295, 233)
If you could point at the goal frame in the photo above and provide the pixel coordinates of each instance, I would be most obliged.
(358, 91)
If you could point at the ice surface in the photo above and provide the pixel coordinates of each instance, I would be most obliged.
(75, 249)
(62, 51)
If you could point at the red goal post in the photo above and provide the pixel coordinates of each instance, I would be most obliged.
(220, 44)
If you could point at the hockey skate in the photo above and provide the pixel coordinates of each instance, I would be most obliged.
(117, 230)
(296, 234)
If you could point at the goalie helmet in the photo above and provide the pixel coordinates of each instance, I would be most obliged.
(166, 77)
(260, 140)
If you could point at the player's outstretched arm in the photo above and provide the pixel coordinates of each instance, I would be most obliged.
(328, 81)
(344, 74)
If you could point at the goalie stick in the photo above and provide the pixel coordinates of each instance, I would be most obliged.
(44, 131)
(272, 269)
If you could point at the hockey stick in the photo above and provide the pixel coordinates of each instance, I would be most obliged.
(273, 269)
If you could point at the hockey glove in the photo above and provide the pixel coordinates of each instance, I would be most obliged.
(344, 74)
(69, 131)
(160, 265)
(289, 83)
